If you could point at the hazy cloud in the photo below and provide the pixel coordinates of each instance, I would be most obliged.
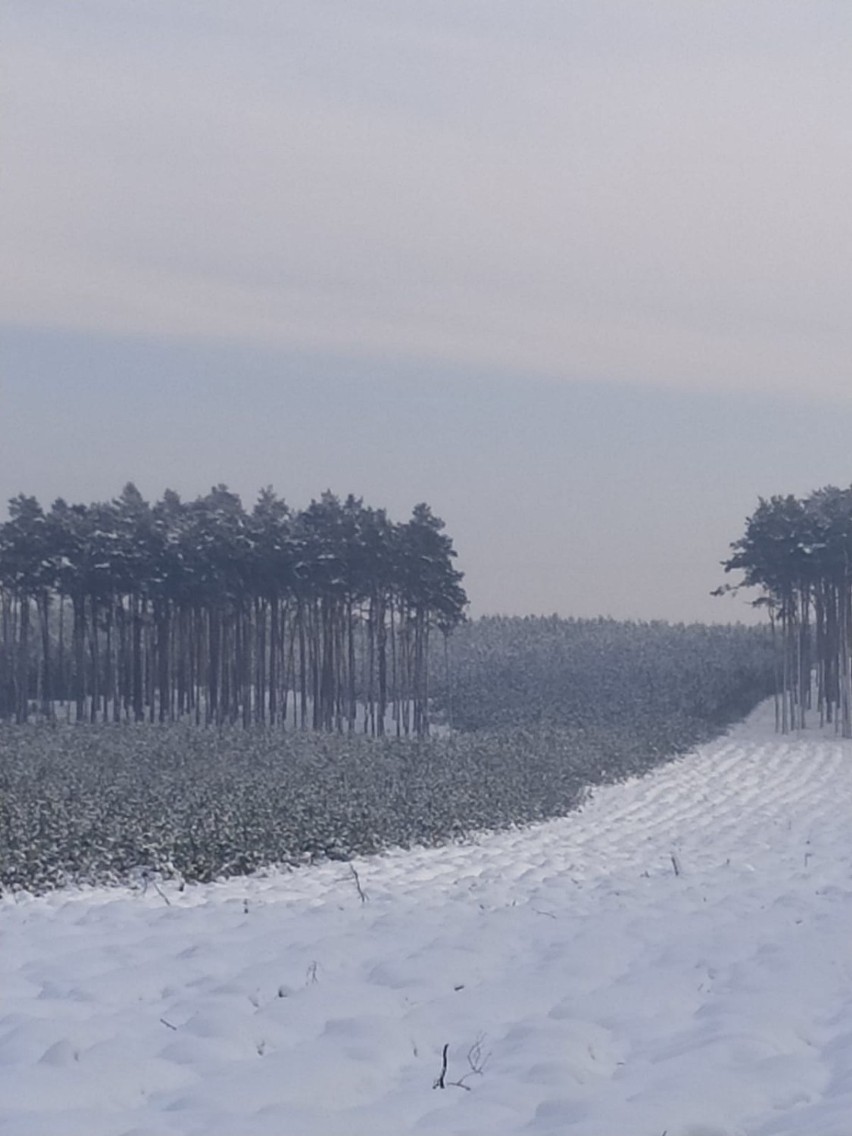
(644, 193)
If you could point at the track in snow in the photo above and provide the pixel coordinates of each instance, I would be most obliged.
(615, 996)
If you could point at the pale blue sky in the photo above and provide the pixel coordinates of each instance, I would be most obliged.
(576, 273)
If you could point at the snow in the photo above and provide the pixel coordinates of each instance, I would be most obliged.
(610, 994)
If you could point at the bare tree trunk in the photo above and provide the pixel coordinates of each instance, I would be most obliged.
(46, 667)
(79, 656)
(23, 662)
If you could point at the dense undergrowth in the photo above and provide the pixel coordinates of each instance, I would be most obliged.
(543, 709)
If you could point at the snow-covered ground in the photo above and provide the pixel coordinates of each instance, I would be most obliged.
(598, 991)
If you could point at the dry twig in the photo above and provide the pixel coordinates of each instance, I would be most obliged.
(361, 895)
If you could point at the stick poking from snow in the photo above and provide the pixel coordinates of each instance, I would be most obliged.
(357, 880)
(440, 1080)
(476, 1059)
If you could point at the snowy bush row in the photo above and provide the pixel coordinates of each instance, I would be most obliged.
(91, 804)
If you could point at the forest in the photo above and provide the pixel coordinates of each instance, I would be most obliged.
(193, 689)
(203, 610)
(542, 711)
(798, 553)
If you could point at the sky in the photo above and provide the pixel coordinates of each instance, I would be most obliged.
(575, 272)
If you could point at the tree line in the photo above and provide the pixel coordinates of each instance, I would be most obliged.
(798, 551)
(127, 610)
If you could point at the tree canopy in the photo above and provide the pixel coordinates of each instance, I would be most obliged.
(127, 609)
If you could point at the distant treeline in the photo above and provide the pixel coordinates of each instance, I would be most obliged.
(203, 610)
(799, 553)
(646, 689)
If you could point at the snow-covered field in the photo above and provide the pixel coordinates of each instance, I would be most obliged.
(676, 957)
